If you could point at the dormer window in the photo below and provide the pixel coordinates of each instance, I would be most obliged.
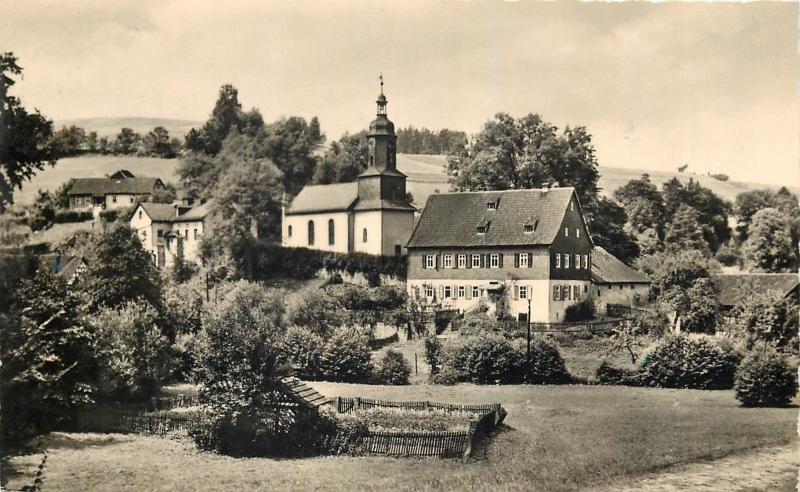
(483, 227)
(530, 226)
(493, 203)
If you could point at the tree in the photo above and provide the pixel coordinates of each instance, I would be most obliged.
(120, 270)
(767, 317)
(92, 143)
(48, 359)
(167, 194)
(198, 174)
(713, 210)
(750, 202)
(411, 140)
(126, 141)
(525, 153)
(685, 231)
(157, 143)
(606, 221)
(70, 140)
(769, 244)
(344, 161)
(25, 138)
(226, 115)
(290, 143)
(250, 190)
(643, 204)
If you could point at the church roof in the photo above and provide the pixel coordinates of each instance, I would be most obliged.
(452, 219)
(324, 198)
(608, 269)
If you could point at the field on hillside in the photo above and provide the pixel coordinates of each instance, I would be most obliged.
(426, 175)
(555, 438)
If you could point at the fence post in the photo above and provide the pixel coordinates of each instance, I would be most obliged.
(338, 404)
(357, 403)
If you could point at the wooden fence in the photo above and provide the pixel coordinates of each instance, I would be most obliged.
(125, 421)
(347, 405)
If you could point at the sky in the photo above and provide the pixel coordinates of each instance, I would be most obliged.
(658, 85)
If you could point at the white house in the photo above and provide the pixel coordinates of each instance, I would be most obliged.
(170, 230)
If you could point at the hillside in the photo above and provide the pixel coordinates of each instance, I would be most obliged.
(426, 175)
(111, 126)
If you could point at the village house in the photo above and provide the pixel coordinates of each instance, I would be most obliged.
(614, 282)
(169, 231)
(530, 246)
(121, 189)
(372, 215)
(733, 288)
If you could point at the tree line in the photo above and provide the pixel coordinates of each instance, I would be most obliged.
(73, 140)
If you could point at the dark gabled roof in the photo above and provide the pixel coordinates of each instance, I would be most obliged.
(106, 186)
(198, 212)
(159, 212)
(608, 269)
(324, 198)
(733, 288)
(451, 219)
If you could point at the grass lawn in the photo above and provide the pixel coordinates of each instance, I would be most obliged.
(556, 438)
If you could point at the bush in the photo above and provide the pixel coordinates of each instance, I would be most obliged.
(63, 216)
(480, 324)
(764, 379)
(346, 357)
(393, 369)
(607, 374)
(433, 354)
(680, 362)
(580, 311)
(494, 359)
(302, 350)
(402, 420)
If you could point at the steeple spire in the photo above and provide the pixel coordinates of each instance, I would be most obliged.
(381, 99)
(381, 79)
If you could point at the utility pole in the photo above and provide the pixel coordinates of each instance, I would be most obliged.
(528, 352)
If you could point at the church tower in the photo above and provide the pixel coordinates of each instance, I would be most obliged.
(382, 191)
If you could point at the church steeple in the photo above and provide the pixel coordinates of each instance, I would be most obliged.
(381, 138)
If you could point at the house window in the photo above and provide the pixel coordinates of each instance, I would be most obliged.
(558, 260)
(331, 231)
(131, 199)
(572, 206)
(364, 235)
(577, 232)
(398, 250)
(576, 292)
(566, 289)
(523, 260)
(428, 291)
(311, 233)
(290, 231)
(578, 261)
(482, 228)
(476, 292)
(523, 291)
(494, 260)
(195, 234)
(566, 232)
(140, 214)
(144, 235)
(528, 228)
(430, 262)
(556, 292)
(476, 261)
(448, 261)
(462, 291)
(566, 260)
(462, 261)
(160, 234)
(491, 205)
(585, 261)
(114, 198)
(448, 291)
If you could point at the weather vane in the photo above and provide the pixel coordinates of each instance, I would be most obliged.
(381, 79)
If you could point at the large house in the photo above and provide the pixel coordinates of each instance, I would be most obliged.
(168, 231)
(121, 189)
(530, 246)
(372, 215)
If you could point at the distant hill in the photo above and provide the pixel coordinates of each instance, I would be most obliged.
(111, 126)
(426, 175)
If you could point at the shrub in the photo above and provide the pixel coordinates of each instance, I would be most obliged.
(433, 354)
(346, 357)
(302, 350)
(402, 420)
(393, 369)
(680, 362)
(767, 317)
(547, 365)
(580, 311)
(63, 216)
(765, 379)
(479, 324)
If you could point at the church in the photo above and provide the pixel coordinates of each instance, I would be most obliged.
(371, 215)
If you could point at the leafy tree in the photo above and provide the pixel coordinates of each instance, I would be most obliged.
(92, 142)
(393, 369)
(769, 243)
(766, 317)
(685, 231)
(198, 174)
(765, 379)
(168, 194)
(224, 117)
(344, 161)
(675, 270)
(748, 203)
(411, 140)
(48, 359)
(606, 222)
(525, 153)
(643, 203)
(126, 142)
(70, 140)
(158, 143)
(290, 143)
(120, 270)
(25, 138)
(713, 210)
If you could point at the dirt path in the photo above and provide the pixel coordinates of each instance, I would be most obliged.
(773, 469)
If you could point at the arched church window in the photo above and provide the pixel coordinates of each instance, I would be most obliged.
(330, 231)
(290, 231)
(364, 235)
(311, 233)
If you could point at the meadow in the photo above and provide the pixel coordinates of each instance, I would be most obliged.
(555, 438)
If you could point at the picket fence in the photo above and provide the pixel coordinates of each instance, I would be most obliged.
(132, 422)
